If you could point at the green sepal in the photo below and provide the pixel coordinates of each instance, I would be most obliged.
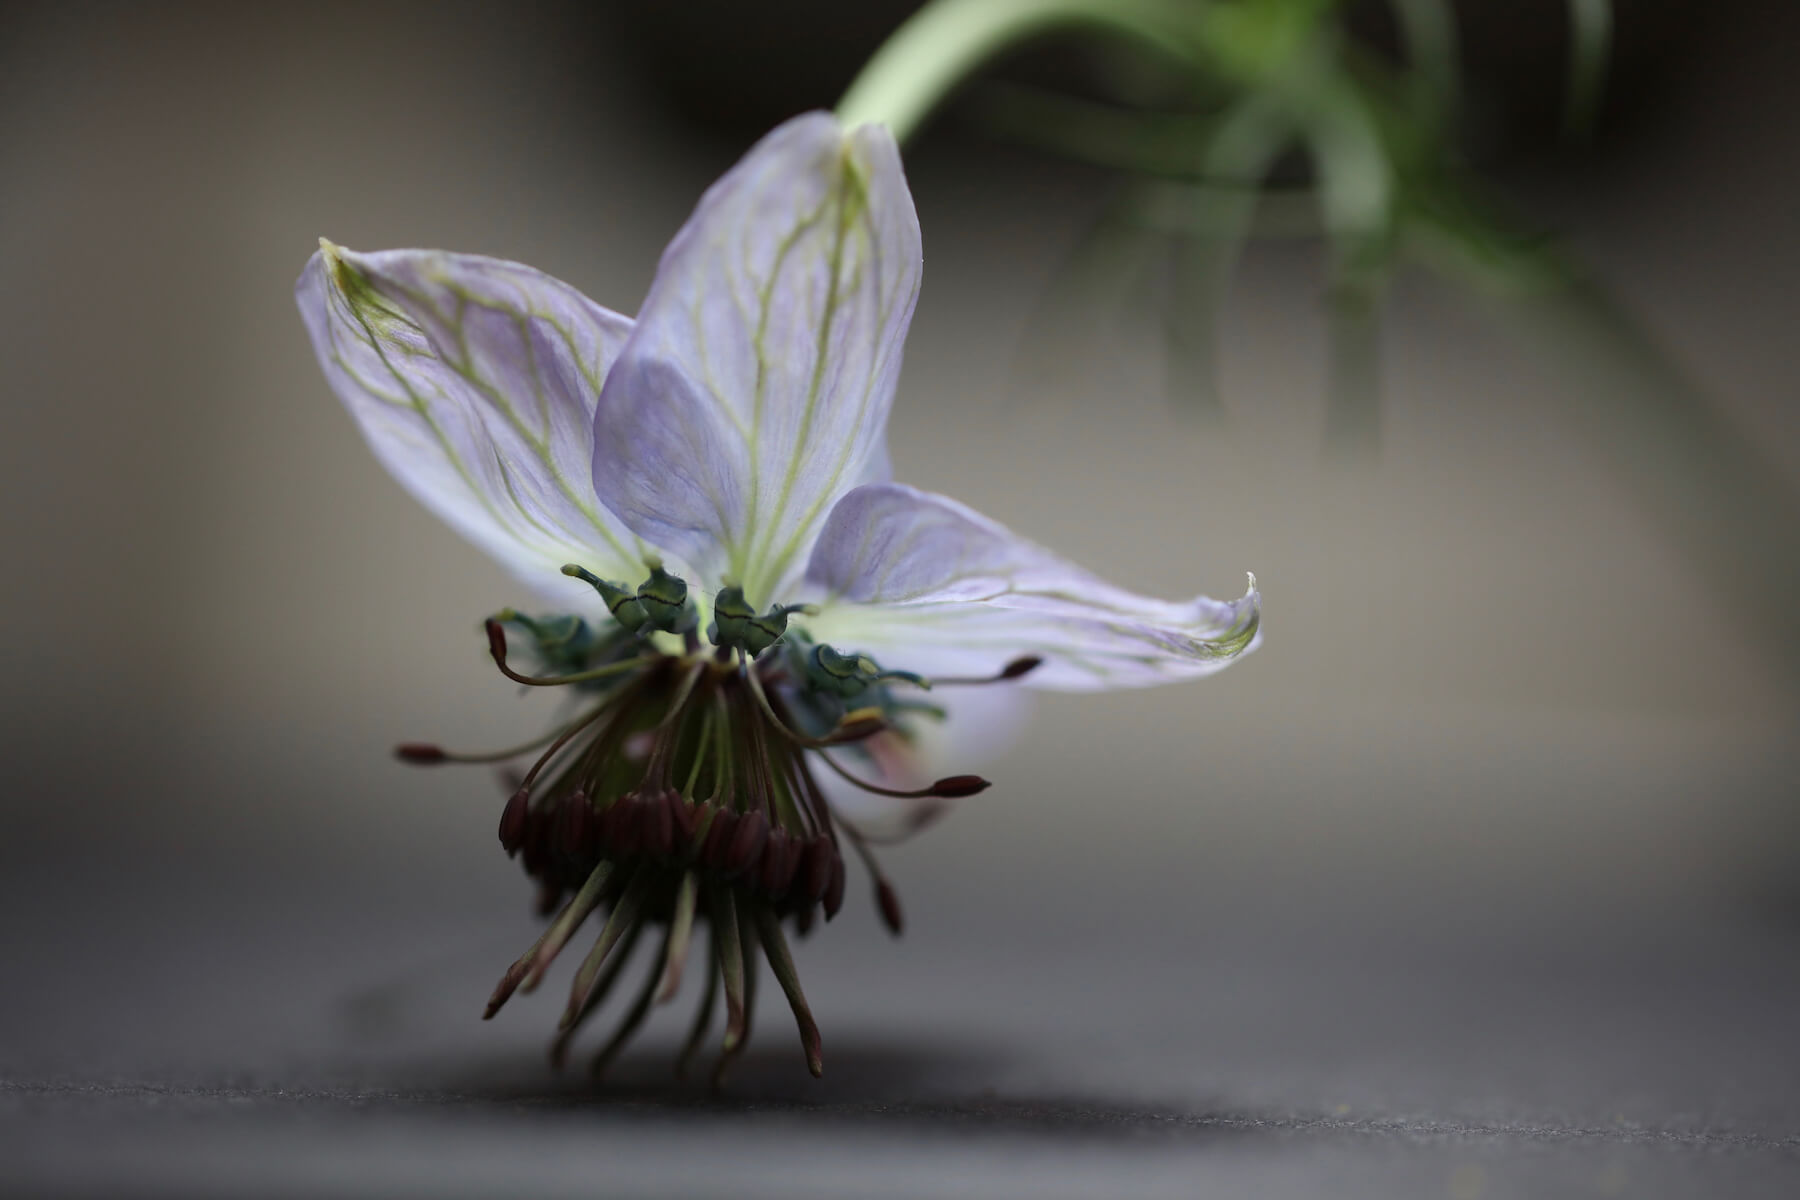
(847, 675)
(624, 605)
(563, 644)
(738, 626)
(664, 600)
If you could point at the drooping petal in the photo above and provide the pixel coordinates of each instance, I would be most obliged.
(755, 389)
(474, 381)
(926, 584)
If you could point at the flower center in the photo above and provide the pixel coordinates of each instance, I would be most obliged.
(682, 791)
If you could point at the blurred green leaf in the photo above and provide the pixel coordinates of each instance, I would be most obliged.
(1590, 45)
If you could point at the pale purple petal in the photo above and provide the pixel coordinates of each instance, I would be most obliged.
(755, 389)
(926, 584)
(474, 381)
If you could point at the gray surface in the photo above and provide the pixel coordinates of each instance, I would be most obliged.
(301, 1040)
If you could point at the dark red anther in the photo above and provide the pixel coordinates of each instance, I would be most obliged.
(780, 857)
(540, 826)
(578, 826)
(834, 891)
(513, 821)
(1021, 666)
(420, 754)
(815, 868)
(686, 817)
(747, 843)
(888, 900)
(627, 825)
(656, 827)
(496, 635)
(953, 787)
(718, 838)
(533, 858)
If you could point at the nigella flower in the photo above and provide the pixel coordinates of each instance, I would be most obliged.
(746, 612)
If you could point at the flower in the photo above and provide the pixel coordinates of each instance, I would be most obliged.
(743, 596)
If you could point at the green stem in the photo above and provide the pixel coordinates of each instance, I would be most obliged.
(947, 41)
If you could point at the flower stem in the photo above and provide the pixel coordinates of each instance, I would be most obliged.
(948, 40)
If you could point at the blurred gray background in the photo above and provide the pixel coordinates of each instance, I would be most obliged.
(1497, 832)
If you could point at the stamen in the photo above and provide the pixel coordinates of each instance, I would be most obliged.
(514, 819)
(709, 1000)
(668, 730)
(800, 779)
(577, 825)
(703, 742)
(509, 981)
(585, 902)
(562, 740)
(496, 634)
(615, 966)
(686, 817)
(719, 836)
(768, 783)
(857, 724)
(656, 825)
(951, 787)
(623, 916)
(1015, 669)
(886, 898)
(833, 899)
(421, 754)
(731, 967)
(746, 956)
(746, 843)
(634, 1017)
(680, 929)
(779, 860)
(815, 868)
(427, 754)
(781, 961)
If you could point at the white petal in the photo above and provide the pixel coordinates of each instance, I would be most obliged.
(925, 584)
(474, 381)
(755, 389)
